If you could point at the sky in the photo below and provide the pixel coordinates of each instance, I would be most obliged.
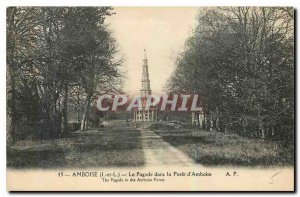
(162, 31)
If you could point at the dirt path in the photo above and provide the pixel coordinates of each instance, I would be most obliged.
(159, 152)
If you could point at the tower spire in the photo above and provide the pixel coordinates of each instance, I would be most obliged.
(145, 56)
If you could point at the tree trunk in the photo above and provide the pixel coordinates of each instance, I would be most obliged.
(262, 130)
(10, 96)
(65, 110)
(84, 116)
(10, 79)
(262, 133)
(204, 121)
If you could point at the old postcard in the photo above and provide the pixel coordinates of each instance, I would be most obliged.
(150, 98)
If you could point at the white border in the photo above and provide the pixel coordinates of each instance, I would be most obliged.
(6, 3)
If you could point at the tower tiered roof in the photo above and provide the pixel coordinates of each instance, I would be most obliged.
(145, 90)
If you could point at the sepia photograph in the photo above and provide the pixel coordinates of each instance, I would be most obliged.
(108, 98)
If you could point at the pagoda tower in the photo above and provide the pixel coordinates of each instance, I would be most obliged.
(146, 90)
(151, 113)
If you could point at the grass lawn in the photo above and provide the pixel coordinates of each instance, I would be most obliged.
(214, 148)
(95, 148)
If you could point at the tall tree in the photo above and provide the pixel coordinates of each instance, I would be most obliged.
(240, 60)
(21, 36)
(52, 51)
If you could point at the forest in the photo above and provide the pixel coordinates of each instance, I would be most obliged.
(58, 59)
(240, 60)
